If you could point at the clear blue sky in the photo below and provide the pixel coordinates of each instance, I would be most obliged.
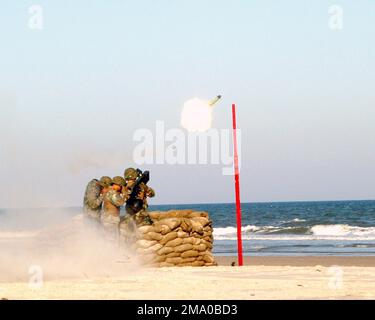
(72, 94)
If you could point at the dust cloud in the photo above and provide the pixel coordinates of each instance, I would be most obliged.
(69, 247)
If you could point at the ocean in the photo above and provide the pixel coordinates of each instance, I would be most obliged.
(268, 229)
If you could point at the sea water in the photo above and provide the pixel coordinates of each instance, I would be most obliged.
(294, 228)
(282, 228)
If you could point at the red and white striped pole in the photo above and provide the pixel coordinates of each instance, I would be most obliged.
(237, 187)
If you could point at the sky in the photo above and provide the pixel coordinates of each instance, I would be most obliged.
(73, 93)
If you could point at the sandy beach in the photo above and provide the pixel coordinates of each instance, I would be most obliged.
(261, 278)
(145, 144)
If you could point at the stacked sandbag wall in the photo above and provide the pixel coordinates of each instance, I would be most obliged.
(176, 238)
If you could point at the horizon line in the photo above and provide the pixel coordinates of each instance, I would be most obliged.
(201, 203)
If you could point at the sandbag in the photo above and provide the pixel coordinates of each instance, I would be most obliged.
(168, 214)
(177, 238)
(165, 251)
(155, 215)
(207, 238)
(173, 254)
(208, 258)
(184, 213)
(181, 213)
(152, 249)
(189, 240)
(168, 237)
(174, 260)
(163, 229)
(207, 234)
(145, 229)
(175, 214)
(185, 225)
(182, 234)
(159, 258)
(172, 223)
(183, 247)
(197, 241)
(200, 247)
(207, 243)
(155, 247)
(152, 236)
(189, 254)
(174, 243)
(144, 244)
(198, 214)
(196, 227)
(202, 221)
(187, 260)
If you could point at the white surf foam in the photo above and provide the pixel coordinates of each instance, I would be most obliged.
(342, 230)
(317, 232)
(229, 231)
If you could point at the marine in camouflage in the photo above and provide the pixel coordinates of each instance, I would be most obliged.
(144, 192)
(129, 224)
(105, 182)
(93, 198)
(114, 198)
(130, 174)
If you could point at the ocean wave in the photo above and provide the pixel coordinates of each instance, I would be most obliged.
(317, 232)
(342, 230)
(294, 220)
(252, 232)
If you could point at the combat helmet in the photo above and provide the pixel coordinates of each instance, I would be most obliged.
(119, 181)
(130, 174)
(105, 181)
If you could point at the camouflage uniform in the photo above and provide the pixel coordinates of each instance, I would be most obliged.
(141, 217)
(113, 200)
(128, 230)
(147, 192)
(93, 199)
(130, 174)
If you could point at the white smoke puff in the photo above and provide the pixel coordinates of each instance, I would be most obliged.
(196, 115)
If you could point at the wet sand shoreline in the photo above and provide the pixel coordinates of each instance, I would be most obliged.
(300, 261)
